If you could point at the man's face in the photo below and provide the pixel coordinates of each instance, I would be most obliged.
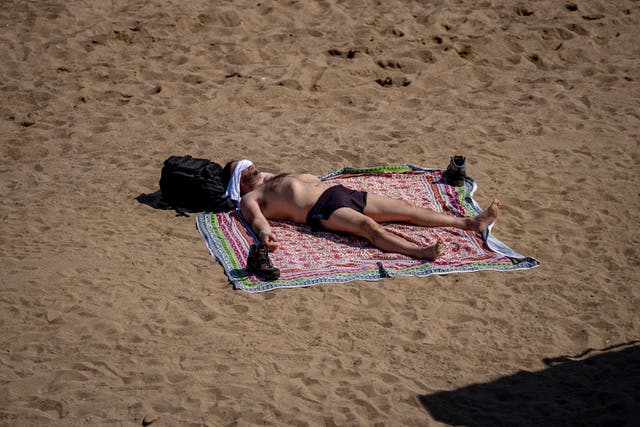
(249, 179)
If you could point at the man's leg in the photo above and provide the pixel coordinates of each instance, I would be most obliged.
(384, 209)
(349, 221)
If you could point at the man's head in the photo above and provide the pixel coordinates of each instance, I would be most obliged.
(250, 178)
(241, 177)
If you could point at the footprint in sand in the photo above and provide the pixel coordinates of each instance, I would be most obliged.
(523, 11)
(193, 79)
(350, 54)
(536, 59)
(390, 64)
(465, 52)
(577, 29)
(393, 82)
(595, 17)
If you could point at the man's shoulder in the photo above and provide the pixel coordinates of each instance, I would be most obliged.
(307, 177)
(253, 195)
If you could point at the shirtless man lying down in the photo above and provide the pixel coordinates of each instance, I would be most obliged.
(305, 199)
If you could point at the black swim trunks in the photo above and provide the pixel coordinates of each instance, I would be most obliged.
(334, 198)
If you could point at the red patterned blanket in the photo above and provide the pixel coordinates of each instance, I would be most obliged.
(308, 258)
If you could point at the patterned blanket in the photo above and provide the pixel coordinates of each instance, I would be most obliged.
(310, 258)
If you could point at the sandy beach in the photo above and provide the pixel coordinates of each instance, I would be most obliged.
(115, 313)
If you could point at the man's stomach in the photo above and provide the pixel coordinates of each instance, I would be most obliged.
(296, 206)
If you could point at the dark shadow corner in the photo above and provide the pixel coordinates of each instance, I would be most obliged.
(595, 388)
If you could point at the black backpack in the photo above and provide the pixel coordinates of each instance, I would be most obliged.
(194, 185)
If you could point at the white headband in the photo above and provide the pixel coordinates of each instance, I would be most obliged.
(233, 188)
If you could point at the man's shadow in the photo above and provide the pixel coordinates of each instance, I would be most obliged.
(600, 390)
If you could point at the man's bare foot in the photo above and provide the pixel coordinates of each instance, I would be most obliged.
(480, 222)
(430, 253)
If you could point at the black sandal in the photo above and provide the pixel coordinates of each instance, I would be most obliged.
(259, 264)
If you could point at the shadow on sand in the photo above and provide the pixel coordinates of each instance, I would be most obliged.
(600, 389)
(156, 201)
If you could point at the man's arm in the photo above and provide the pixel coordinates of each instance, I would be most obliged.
(250, 208)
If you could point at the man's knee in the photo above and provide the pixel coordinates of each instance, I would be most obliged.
(370, 228)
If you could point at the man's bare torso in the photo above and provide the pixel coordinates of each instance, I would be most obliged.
(288, 196)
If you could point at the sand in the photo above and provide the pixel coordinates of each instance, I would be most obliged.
(114, 313)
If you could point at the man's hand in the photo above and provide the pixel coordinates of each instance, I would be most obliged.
(270, 240)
